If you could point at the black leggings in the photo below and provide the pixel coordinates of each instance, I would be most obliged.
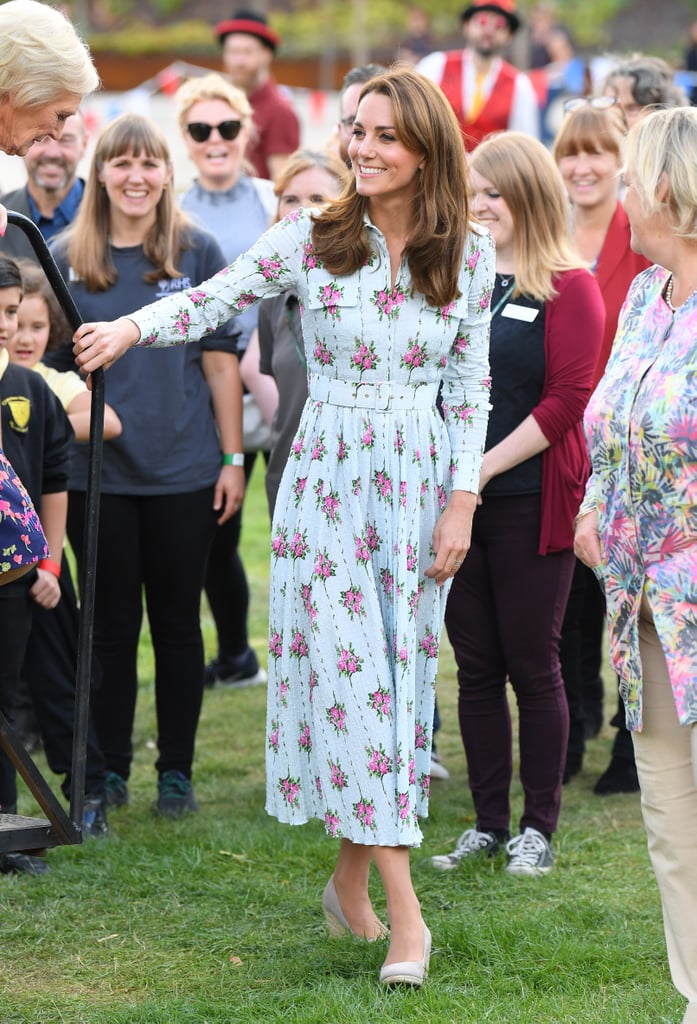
(157, 544)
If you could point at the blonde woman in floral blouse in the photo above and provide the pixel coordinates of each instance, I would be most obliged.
(374, 510)
(637, 526)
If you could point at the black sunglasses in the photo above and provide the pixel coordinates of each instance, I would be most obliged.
(201, 132)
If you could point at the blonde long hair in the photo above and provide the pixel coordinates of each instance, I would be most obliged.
(88, 236)
(530, 182)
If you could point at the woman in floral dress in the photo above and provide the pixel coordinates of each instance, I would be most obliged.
(374, 510)
(637, 527)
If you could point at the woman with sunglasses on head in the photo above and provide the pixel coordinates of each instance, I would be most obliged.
(163, 487)
(588, 152)
(215, 119)
(507, 602)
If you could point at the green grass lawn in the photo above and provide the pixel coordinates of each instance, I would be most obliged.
(217, 918)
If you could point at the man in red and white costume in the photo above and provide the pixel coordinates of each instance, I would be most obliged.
(486, 92)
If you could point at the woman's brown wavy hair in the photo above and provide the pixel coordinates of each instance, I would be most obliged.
(88, 236)
(424, 122)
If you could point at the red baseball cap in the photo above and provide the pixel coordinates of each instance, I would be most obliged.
(249, 23)
(505, 7)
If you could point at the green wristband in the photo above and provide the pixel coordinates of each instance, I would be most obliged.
(233, 459)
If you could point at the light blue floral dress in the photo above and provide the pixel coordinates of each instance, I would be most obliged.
(354, 623)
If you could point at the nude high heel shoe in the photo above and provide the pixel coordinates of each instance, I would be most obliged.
(409, 972)
(338, 925)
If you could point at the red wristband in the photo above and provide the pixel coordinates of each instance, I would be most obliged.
(50, 566)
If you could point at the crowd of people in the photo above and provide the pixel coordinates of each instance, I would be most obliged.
(474, 355)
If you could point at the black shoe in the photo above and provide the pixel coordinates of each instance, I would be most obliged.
(94, 821)
(116, 790)
(238, 670)
(592, 723)
(175, 795)
(619, 777)
(23, 864)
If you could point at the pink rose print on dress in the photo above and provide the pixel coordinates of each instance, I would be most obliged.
(305, 738)
(420, 736)
(270, 267)
(342, 448)
(319, 449)
(298, 645)
(348, 663)
(332, 824)
(337, 776)
(279, 543)
(368, 544)
(414, 357)
(425, 784)
(365, 357)
(428, 644)
(298, 545)
(379, 764)
(403, 494)
(459, 347)
(244, 301)
(290, 790)
(310, 608)
(412, 558)
(298, 446)
(309, 260)
(182, 323)
(312, 682)
(299, 490)
(330, 295)
(352, 600)
(401, 653)
(364, 812)
(383, 485)
(388, 303)
(485, 300)
(473, 259)
(403, 805)
(444, 314)
(387, 581)
(381, 703)
(336, 716)
(276, 645)
(324, 566)
(323, 353)
(412, 771)
(273, 736)
(328, 504)
(283, 691)
(367, 435)
(399, 441)
(413, 600)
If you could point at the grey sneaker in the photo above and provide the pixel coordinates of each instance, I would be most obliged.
(438, 769)
(530, 854)
(470, 842)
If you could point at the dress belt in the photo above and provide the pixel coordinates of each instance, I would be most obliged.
(384, 396)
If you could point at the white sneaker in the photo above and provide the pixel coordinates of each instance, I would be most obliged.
(438, 769)
(470, 842)
(530, 854)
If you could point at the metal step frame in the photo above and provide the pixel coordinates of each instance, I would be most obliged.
(18, 832)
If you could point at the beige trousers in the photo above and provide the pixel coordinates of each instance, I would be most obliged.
(666, 759)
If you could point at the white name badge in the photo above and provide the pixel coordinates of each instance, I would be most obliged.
(513, 312)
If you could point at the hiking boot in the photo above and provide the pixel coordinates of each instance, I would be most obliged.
(620, 776)
(237, 670)
(470, 842)
(530, 854)
(116, 790)
(175, 795)
(23, 864)
(94, 821)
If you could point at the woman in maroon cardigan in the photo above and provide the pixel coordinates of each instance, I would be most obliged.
(507, 602)
(588, 151)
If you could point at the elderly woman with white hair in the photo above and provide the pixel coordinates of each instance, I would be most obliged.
(45, 71)
(637, 527)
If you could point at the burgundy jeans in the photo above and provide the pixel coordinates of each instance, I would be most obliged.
(504, 617)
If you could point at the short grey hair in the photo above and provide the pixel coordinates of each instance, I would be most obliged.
(41, 55)
(652, 82)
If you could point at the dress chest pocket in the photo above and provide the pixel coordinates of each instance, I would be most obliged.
(329, 295)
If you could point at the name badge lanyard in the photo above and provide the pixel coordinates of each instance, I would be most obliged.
(501, 301)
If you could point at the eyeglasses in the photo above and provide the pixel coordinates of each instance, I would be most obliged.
(597, 102)
(201, 132)
(491, 20)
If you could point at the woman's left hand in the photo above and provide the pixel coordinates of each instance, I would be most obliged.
(229, 492)
(101, 344)
(451, 536)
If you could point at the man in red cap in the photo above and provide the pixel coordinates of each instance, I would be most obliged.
(249, 45)
(486, 92)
